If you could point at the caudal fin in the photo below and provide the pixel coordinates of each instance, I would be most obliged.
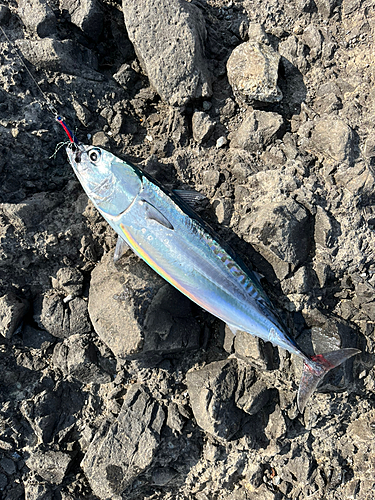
(315, 371)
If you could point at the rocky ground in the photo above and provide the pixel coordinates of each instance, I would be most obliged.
(113, 385)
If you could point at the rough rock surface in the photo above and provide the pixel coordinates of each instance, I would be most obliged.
(257, 130)
(86, 14)
(212, 391)
(138, 312)
(38, 17)
(215, 416)
(168, 37)
(253, 72)
(121, 450)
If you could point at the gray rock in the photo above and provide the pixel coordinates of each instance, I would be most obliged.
(4, 14)
(294, 53)
(202, 126)
(69, 280)
(3, 481)
(121, 450)
(254, 399)
(12, 311)
(37, 16)
(136, 313)
(300, 282)
(28, 214)
(325, 7)
(253, 72)
(284, 229)
(61, 56)
(36, 490)
(61, 318)
(51, 465)
(169, 325)
(313, 38)
(212, 395)
(168, 38)
(76, 357)
(276, 427)
(86, 14)
(323, 230)
(125, 76)
(35, 338)
(8, 465)
(333, 138)
(42, 414)
(253, 350)
(369, 149)
(258, 129)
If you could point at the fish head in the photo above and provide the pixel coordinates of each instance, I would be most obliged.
(111, 183)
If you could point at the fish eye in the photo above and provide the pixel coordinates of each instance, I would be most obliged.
(94, 155)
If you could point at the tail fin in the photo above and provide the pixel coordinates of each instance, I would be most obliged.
(315, 371)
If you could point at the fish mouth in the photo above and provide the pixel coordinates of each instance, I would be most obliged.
(74, 151)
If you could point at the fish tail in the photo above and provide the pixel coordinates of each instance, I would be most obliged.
(314, 370)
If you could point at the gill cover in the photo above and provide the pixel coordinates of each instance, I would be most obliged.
(111, 183)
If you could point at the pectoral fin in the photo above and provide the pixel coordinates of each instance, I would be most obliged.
(121, 248)
(154, 214)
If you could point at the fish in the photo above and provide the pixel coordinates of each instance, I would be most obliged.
(161, 228)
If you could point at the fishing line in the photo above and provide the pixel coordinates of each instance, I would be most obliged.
(72, 138)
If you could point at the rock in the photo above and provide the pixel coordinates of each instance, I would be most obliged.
(258, 129)
(323, 230)
(202, 126)
(222, 141)
(8, 465)
(121, 450)
(333, 138)
(35, 338)
(253, 72)
(12, 311)
(313, 38)
(4, 14)
(76, 357)
(30, 213)
(254, 398)
(86, 14)
(37, 16)
(283, 228)
(168, 38)
(301, 282)
(169, 325)
(212, 392)
(293, 53)
(253, 350)
(42, 414)
(51, 465)
(325, 7)
(62, 318)
(69, 281)
(3, 481)
(125, 76)
(61, 56)
(36, 490)
(136, 313)
(276, 427)
(369, 149)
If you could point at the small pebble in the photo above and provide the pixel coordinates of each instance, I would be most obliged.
(221, 142)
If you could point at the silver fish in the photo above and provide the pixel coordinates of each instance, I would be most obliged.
(167, 234)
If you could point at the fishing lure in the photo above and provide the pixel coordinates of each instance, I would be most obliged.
(164, 231)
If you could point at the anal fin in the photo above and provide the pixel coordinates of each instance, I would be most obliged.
(121, 248)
